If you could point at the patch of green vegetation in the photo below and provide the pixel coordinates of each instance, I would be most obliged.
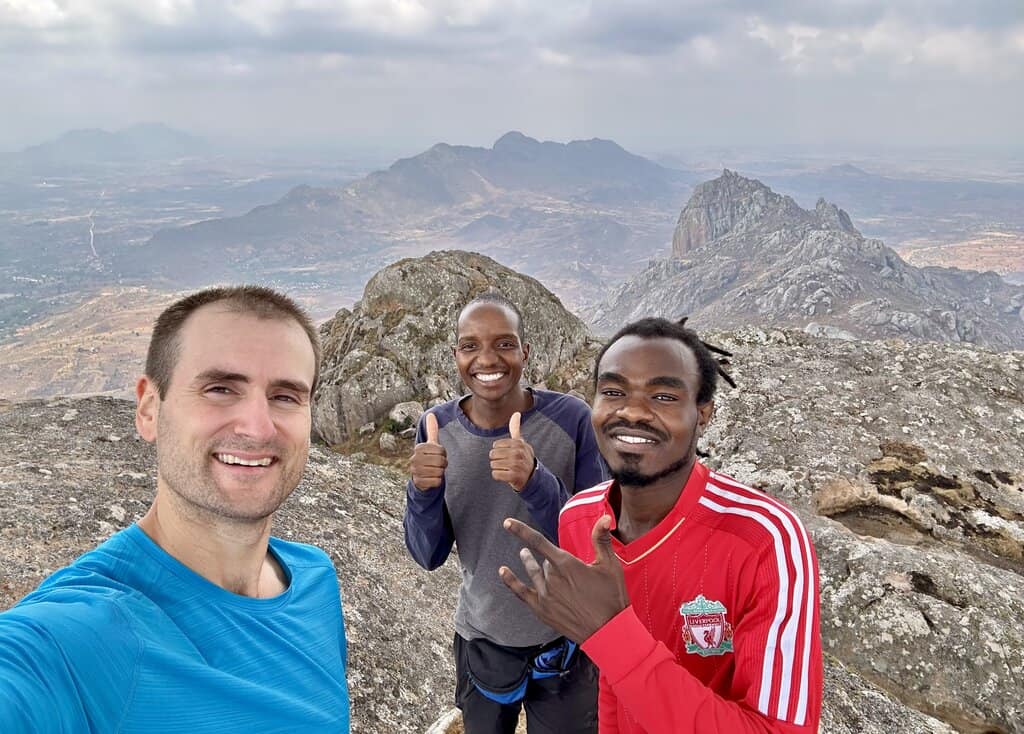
(390, 425)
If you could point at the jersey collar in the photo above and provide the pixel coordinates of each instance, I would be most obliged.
(647, 543)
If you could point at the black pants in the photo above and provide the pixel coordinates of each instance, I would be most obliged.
(558, 705)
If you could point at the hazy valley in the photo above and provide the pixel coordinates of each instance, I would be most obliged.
(98, 229)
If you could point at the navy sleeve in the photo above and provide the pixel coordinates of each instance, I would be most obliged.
(429, 535)
(544, 495)
(590, 467)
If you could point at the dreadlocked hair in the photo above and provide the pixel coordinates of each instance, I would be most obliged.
(709, 366)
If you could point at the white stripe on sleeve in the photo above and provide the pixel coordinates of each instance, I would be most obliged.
(803, 592)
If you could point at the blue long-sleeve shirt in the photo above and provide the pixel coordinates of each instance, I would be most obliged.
(468, 509)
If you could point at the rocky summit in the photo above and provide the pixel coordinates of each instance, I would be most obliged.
(905, 460)
(742, 254)
(395, 345)
(902, 458)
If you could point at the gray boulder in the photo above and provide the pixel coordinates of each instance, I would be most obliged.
(937, 626)
(854, 706)
(912, 449)
(405, 415)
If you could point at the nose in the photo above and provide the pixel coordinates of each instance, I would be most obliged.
(254, 419)
(634, 409)
(487, 355)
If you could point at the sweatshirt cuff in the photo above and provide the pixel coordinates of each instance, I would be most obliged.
(423, 498)
(618, 647)
(536, 482)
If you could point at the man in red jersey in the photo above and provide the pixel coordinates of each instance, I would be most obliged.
(697, 597)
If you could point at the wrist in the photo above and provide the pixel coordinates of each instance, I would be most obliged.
(528, 477)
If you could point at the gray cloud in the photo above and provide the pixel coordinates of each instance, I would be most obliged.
(466, 71)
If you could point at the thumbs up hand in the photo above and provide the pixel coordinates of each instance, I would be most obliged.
(512, 459)
(429, 459)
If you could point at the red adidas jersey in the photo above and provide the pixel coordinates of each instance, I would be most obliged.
(721, 635)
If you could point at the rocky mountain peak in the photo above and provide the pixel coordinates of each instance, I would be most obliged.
(730, 203)
(743, 254)
(831, 216)
(849, 170)
(514, 140)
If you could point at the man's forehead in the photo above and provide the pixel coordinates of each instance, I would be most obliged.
(217, 338)
(471, 317)
(212, 317)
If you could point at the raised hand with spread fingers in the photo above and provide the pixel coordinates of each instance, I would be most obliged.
(574, 597)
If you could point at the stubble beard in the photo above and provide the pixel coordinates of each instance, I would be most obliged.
(629, 476)
(192, 481)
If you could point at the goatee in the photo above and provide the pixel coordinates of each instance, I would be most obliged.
(630, 477)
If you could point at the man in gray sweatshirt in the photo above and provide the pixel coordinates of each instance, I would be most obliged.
(504, 450)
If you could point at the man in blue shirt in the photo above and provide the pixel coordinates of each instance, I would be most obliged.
(195, 619)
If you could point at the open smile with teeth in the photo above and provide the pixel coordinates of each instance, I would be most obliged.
(634, 440)
(232, 459)
(489, 376)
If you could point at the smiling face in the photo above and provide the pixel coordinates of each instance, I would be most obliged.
(232, 431)
(488, 352)
(645, 412)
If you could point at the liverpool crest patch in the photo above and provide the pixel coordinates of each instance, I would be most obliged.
(705, 630)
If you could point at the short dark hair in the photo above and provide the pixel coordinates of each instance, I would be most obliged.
(255, 300)
(659, 328)
(496, 299)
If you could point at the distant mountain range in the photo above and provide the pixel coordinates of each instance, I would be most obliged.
(582, 217)
(145, 142)
(899, 201)
(538, 206)
(595, 170)
(743, 254)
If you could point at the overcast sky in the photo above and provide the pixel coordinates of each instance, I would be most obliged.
(407, 73)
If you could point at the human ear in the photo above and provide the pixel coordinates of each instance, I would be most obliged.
(147, 408)
(705, 411)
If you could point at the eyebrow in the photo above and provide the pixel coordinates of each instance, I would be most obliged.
(668, 382)
(664, 381)
(218, 375)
